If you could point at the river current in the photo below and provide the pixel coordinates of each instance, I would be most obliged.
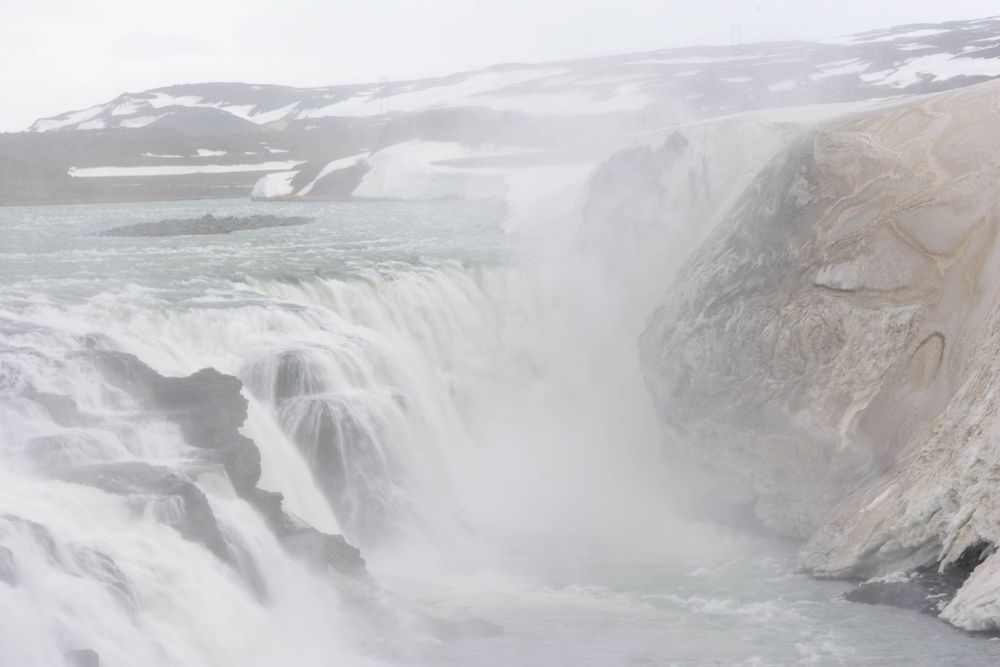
(498, 461)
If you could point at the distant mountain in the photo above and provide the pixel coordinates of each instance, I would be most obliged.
(711, 80)
(218, 139)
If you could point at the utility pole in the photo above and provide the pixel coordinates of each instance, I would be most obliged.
(736, 34)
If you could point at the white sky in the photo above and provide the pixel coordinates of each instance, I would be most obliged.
(57, 55)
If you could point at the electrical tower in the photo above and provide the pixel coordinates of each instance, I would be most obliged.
(736, 34)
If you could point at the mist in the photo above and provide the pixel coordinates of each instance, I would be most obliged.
(664, 341)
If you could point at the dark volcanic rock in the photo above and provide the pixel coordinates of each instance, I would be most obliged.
(209, 408)
(83, 657)
(342, 451)
(325, 551)
(169, 491)
(39, 534)
(320, 550)
(295, 376)
(206, 224)
(8, 571)
(86, 562)
(61, 408)
(74, 559)
(207, 405)
(59, 449)
(927, 589)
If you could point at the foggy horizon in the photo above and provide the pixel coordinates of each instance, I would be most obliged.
(94, 51)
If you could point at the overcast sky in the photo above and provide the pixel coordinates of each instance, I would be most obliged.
(57, 55)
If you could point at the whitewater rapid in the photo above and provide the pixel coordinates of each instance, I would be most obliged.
(469, 412)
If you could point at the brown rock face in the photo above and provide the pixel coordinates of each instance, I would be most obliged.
(832, 346)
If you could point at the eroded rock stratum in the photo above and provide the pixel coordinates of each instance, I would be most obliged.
(833, 346)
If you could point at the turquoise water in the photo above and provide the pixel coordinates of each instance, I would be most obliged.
(49, 248)
(504, 433)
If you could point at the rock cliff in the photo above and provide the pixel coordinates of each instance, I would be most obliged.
(831, 347)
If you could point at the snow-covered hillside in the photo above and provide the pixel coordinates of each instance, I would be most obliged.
(493, 133)
(702, 80)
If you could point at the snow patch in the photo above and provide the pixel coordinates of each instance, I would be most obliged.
(264, 117)
(414, 170)
(95, 124)
(335, 165)
(274, 185)
(140, 121)
(840, 67)
(782, 86)
(66, 120)
(936, 67)
(126, 108)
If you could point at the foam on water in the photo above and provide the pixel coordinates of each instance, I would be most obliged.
(472, 417)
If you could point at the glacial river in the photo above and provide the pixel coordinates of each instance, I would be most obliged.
(499, 463)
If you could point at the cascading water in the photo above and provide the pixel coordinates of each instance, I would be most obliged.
(472, 417)
(401, 404)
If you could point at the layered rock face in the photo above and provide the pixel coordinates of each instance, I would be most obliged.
(832, 347)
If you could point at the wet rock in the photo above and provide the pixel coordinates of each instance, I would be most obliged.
(926, 589)
(94, 564)
(38, 534)
(83, 657)
(61, 408)
(345, 455)
(209, 408)
(177, 502)
(241, 460)
(268, 504)
(8, 571)
(320, 550)
(174, 501)
(75, 559)
(206, 224)
(295, 376)
(325, 551)
(65, 448)
(206, 405)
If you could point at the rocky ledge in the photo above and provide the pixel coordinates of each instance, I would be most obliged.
(209, 409)
(206, 224)
(831, 350)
